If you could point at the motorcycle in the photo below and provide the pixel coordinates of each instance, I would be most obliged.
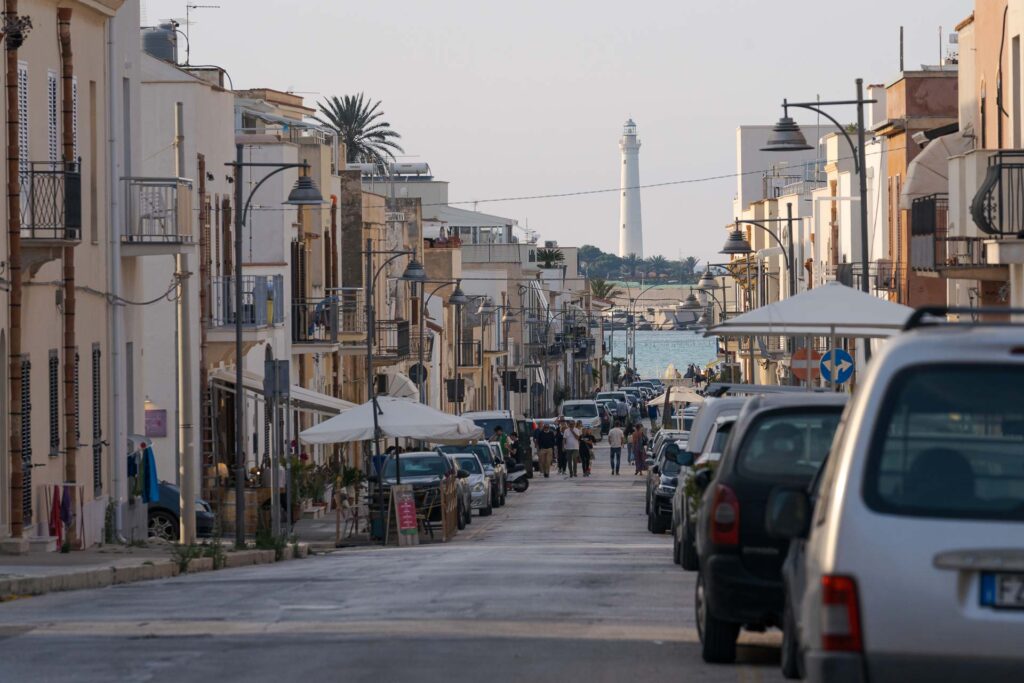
(516, 478)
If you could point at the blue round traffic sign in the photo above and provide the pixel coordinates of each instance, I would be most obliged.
(839, 360)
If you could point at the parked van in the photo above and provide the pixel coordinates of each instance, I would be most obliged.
(509, 422)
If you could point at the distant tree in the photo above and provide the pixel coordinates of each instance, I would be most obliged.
(358, 122)
(659, 265)
(602, 289)
(630, 264)
(550, 258)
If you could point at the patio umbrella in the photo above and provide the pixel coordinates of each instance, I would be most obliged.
(678, 395)
(396, 418)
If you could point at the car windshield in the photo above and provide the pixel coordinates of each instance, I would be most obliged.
(483, 451)
(721, 436)
(416, 466)
(950, 443)
(579, 410)
(670, 466)
(790, 444)
(488, 425)
(468, 463)
(611, 396)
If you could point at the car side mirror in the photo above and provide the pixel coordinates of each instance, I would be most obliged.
(462, 474)
(702, 479)
(373, 479)
(788, 514)
(685, 459)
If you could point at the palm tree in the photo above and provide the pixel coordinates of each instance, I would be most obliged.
(550, 258)
(357, 121)
(602, 289)
(690, 264)
(630, 264)
(658, 264)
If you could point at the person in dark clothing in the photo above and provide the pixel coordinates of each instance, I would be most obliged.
(560, 448)
(546, 441)
(586, 450)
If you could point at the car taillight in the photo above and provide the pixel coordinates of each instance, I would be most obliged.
(725, 517)
(840, 615)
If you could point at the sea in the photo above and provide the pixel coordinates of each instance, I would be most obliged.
(656, 349)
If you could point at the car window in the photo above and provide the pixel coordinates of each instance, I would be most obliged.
(579, 410)
(483, 451)
(419, 466)
(488, 424)
(721, 437)
(468, 463)
(950, 443)
(791, 444)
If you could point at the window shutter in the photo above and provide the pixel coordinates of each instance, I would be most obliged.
(23, 120)
(26, 439)
(53, 371)
(52, 120)
(74, 118)
(97, 424)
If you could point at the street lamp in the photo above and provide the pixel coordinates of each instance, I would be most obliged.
(787, 255)
(787, 137)
(423, 313)
(507, 318)
(303, 193)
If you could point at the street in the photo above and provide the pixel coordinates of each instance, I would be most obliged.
(562, 584)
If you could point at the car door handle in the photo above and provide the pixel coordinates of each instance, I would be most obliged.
(981, 559)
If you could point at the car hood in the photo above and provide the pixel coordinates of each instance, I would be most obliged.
(432, 479)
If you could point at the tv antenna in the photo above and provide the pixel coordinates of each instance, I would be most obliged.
(188, 25)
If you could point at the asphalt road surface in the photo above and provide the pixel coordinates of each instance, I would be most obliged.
(562, 584)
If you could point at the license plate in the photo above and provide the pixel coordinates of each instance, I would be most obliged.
(1002, 590)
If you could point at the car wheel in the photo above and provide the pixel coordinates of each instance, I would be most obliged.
(460, 522)
(657, 524)
(717, 638)
(486, 512)
(163, 524)
(469, 515)
(792, 665)
(687, 550)
(675, 548)
(504, 494)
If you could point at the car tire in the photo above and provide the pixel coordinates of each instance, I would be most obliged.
(688, 556)
(460, 522)
(675, 548)
(656, 524)
(792, 664)
(163, 524)
(717, 638)
(504, 494)
(486, 512)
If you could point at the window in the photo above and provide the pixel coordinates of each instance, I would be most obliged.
(77, 407)
(53, 375)
(74, 118)
(26, 439)
(950, 443)
(52, 122)
(23, 120)
(721, 436)
(790, 444)
(97, 424)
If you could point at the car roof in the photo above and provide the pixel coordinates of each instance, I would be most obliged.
(417, 453)
(491, 415)
(578, 400)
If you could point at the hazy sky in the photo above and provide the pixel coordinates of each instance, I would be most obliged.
(507, 99)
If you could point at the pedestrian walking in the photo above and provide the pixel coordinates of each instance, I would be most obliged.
(615, 440)
(560, 446)
(629, 442)
(587, 442)
(639, 450)
(545, 448)
(571, 445)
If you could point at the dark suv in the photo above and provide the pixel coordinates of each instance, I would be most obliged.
(778, 441)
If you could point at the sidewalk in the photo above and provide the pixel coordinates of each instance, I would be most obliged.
(39, 573)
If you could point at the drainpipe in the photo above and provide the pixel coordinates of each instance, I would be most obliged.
(68, 148)
(205, 262)
(14, 264)
(332, 278)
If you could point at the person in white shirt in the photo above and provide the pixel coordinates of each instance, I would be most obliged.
(616, 438)
(571, 444)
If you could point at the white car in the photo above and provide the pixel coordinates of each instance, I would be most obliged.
(582, 411)
(479, 482)
(914, 564)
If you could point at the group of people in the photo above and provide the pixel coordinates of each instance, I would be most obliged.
(568, 443)
(634, 439)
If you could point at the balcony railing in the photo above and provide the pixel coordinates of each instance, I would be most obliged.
(315, 321)
(998, 206)
(391, 339)
(469, 353)
(427, 341)
(51, 201)
(158, 211)
(883, 275)
(262, 301)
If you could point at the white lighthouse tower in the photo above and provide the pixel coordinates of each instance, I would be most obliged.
(631, 234)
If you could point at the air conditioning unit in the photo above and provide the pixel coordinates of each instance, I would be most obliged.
(550, 244)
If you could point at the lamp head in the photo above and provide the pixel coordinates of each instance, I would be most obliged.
(691, 303)
(736, 243)
(305, 193)
(786, 137)
(707, 281)
(458, 297)
(414, 270)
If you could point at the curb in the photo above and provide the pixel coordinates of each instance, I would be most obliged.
(151, 570)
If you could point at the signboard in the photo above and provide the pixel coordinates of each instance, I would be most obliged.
(837, 362)
(417, 373)
(394, 217)
(802, 366)
(405, 514)
(156, 423)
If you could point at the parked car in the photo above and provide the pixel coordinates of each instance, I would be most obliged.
(913, 557)
(509, 422)
(479, 484)
(635, 393)
(424, 471)
(777, 441)
(682, 523)
(584, 411)
(165, 514)
(494, 467)
(668, 435)
(662, 477)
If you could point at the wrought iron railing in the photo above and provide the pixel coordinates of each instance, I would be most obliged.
(469, 353)
(883, 275)
(391, 339)
(158, 211)
(998, 205)
(315, 321)
(51, 201)
(262, 301)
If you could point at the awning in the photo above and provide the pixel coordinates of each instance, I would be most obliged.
(831, 309)
(677, 394)
(396, 418)
(928, 173)
(400, 386)
(301, 397)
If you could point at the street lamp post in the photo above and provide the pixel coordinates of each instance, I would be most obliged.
(787, 250)
(423, 313)
(304, 193)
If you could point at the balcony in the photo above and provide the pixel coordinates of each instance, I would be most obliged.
(391, 341)
(998, 206)
(262, 308)
(51, 209)
(883, 275)
(933, 249)
(470, 355)
(158, 216)
(315, 322)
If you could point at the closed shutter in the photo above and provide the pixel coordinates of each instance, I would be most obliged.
(26, 440)
(23, 120)
(97, 424)
(52, 122)
(74, 118)
(53, 379)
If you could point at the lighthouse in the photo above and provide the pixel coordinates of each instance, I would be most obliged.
(631, 235)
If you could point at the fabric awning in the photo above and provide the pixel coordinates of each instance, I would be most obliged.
(304, 398)
(400, 386)
(928, 173)
(396, 418)
(831, 309)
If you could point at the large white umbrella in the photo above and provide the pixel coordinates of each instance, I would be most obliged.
(678, 394)
(833, 309)
(396, 418)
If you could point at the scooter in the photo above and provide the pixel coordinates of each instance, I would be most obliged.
(516, 478)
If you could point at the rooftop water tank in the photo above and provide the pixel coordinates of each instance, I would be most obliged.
(161, 41)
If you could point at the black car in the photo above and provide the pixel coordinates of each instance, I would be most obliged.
(165, 514)
(494, 468)
(662, 478)
(424, 471)
(778, 441)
